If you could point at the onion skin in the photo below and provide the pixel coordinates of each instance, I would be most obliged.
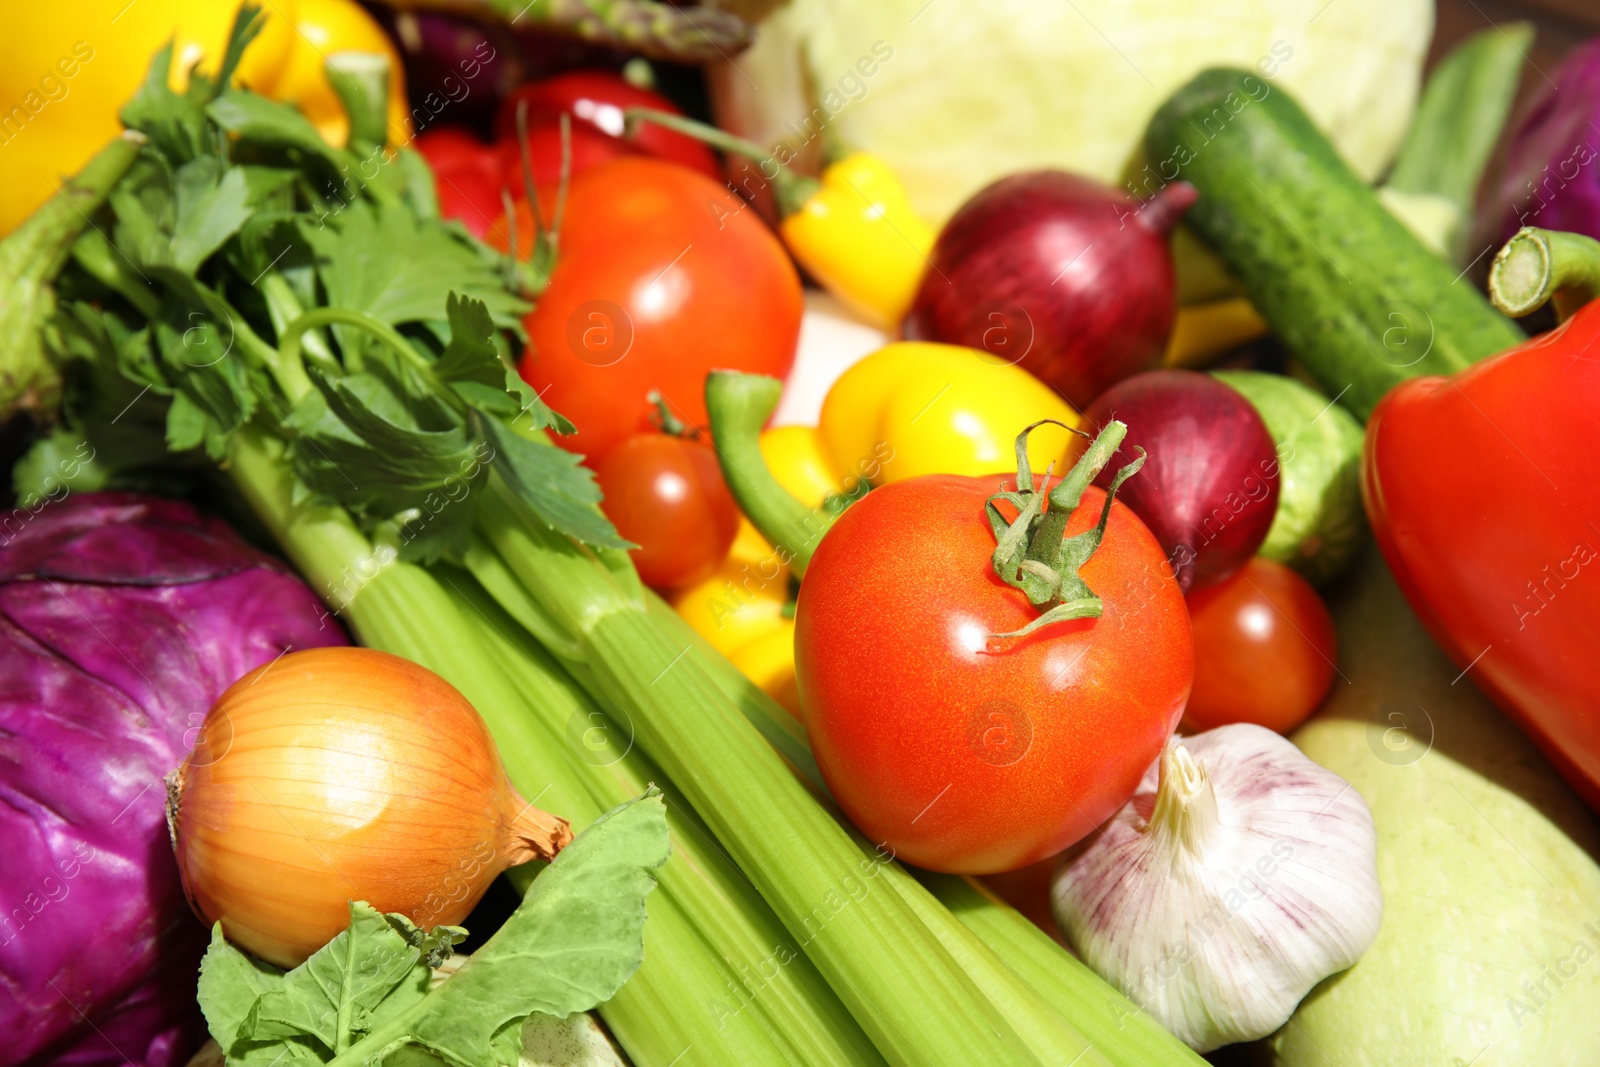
(1209, 489)
(1071, 279)
(344, 774)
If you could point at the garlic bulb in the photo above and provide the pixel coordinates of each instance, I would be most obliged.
(1238, 876)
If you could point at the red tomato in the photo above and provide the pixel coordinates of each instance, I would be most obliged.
(660, 277)
(1264, 649)
(959, 757)
(596, 100)
(467, 176)
(666, 494)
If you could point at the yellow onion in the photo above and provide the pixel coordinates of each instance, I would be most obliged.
(339, 774)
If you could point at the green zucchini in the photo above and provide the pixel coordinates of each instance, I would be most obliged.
(1354, 294)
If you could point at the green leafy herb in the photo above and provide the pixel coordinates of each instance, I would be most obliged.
(243, 272)
(388, 262)
(369, 993)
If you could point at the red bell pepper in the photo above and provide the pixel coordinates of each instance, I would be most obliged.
(1483, 489)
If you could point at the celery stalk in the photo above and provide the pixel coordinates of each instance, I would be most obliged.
(872, 948)
(1130, 1036)
(798, 1007)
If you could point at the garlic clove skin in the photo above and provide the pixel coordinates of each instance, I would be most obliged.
(1238, 876)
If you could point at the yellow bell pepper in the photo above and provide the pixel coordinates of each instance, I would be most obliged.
(860, 239)
(324, 27)
(853, 230)
(62, 87)
(741, 610)
(1205, 332)
(909, 409)
(914, 408)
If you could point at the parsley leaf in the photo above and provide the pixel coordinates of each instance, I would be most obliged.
(362, 441)
(561, 494)
(210, 205)
(571, 944)
(386, 261)
(268, 122)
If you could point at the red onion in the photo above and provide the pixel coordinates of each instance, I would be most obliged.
(1209, 489)
(1067, 277)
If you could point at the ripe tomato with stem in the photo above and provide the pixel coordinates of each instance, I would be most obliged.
(986, 675)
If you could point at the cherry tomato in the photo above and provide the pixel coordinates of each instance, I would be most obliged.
(596, 100)
(1264, 649)
(660, 277)
(666, 494)
(968, 756)
(467, 176)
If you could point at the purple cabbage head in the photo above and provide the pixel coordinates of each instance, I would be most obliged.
(1551, 174)
(122, 619)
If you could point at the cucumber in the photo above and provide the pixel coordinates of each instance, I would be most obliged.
(1320, 525)
(1354, 294)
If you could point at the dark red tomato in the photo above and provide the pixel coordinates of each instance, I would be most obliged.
(660, 277)
(467, 175)
(589, 148)
(968, 756)
(1264, 649)
(666, 495)
(596, 100)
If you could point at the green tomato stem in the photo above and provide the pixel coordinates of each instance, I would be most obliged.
(1538, 265)
(1032, 552)
(739, 405)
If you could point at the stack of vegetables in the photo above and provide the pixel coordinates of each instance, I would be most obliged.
(744, 714)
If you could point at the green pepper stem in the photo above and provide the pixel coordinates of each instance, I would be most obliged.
(362, 81)
(792, 190)
(1538, 265)
(739, 405)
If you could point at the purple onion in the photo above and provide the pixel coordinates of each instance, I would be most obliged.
(1209, 487)
(1551, 174)
(122, 619)
(1065, 276)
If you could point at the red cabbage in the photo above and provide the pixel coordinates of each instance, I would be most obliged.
(122, 619)
(1551, 174)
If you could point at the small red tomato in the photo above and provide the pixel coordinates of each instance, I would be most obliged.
(666, 494)
(660, 276)
(1264, 649)
(959, 754)
(596, 100)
